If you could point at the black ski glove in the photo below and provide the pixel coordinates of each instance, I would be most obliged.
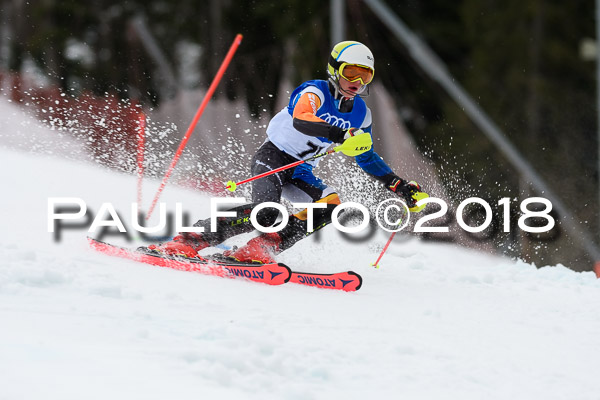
(404, 189)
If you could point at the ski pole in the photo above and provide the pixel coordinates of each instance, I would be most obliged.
(417, 196)
(351, 147)
(376, 265)
(188, 134)
(232, 186)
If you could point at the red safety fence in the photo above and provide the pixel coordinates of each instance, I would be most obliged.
(108, 125)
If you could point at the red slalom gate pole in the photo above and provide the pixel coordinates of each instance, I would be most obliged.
(188, 134)
(140, 154)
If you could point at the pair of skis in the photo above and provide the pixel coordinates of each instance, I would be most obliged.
(271, 274)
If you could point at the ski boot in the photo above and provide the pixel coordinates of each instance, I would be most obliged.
(186, 244)
(260, 249)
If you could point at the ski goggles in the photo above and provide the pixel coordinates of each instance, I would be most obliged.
(354, 73)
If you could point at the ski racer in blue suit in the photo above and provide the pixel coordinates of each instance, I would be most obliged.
(319, 113)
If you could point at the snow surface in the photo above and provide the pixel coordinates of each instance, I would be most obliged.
(434, 322)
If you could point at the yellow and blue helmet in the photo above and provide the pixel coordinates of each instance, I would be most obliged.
(352, 61)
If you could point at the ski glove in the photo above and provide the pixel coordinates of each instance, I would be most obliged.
(356, 141)
(404, 189)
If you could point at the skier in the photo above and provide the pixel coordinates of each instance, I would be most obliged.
(319, 113)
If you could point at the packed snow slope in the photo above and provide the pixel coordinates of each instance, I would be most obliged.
(434, 322)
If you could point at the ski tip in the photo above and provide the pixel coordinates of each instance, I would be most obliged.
(348, 281)
(94, 243)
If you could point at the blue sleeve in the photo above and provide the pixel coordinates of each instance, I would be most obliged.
(371, 162)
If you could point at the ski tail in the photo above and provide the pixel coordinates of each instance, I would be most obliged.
(348, 281)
